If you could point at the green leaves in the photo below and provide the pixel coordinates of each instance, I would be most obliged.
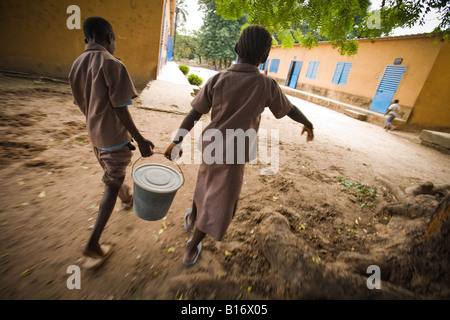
(287, 40)
(299, 21)
(219, 35)
(365, 195)
(195, 80)
(232, 10)
(184, 69)
(338, 21)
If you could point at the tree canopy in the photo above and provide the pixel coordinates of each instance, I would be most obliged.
(218, 36)
(180, 17)
(339, 21)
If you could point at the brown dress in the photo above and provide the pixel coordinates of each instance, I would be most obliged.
(236, 98)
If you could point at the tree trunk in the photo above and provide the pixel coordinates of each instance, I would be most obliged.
(416, 251)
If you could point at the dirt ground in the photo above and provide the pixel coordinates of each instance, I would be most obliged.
(308, 231)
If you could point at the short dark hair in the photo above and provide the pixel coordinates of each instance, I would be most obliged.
(254, 44)
(396, 101)
(96, 28)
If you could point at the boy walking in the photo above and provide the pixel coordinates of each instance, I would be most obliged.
(393, 110)
(102, 89)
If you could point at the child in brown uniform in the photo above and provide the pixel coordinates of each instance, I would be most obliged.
(236, 98)
(102, 89)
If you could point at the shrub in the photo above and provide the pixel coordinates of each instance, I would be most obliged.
(195, 80)
(184, 69)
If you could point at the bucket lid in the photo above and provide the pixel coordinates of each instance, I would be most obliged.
(157, 178)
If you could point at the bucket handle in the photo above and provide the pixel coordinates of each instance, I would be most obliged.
(132, 169)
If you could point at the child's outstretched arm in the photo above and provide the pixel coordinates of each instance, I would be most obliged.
(299, 117)
(145, 146)
(186, 126)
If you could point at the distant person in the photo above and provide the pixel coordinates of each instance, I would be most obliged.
(393, 110)
(236, 98)
(102, 89)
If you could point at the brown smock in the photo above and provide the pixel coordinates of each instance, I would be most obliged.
(100, 82)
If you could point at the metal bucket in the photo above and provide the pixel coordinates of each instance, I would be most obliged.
(155, 187)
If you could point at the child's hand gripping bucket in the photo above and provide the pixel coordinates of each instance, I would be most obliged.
(155, 187)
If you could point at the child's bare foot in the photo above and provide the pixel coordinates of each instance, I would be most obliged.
(96, 257)
(189, 222)
(128, 204)
(97, 252)
(192, 254)
(190, 257)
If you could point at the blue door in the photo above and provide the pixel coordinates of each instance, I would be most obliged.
(170, 49)
(387, 88)
(296, 66)
(162, 38)
(288, 78)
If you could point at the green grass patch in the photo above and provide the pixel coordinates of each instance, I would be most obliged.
(365, 195)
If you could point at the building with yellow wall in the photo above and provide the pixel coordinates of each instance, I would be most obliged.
(413, 69)
(42, 37)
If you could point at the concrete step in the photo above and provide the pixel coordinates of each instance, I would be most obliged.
(348, 109)
(355, 114)
(435, 139)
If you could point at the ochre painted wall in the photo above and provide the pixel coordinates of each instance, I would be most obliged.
(35, 38)
(166, 30)
(432, 108)
(418, 53)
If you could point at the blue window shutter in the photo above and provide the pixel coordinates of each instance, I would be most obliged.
(309, 72)
(277, 64)
(391, 78)
(345, 73)
(312, 70)
(316, 68)
(274, 65)
(337, 72)
(266, 65)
